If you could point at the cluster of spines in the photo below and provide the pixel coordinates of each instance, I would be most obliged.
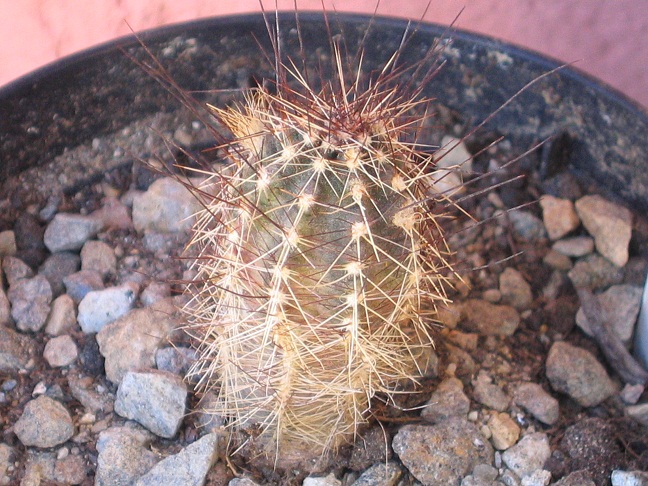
(319, 259)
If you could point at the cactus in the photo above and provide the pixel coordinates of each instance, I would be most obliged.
(320, 258)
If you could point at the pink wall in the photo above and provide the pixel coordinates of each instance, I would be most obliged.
(609, 38)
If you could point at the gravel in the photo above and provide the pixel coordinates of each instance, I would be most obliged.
(44, 423)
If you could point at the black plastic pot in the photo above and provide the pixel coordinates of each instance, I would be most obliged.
(101, 90)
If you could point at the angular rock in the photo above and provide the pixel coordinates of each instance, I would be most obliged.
(98, 256)
(15, 269)
(577, 373)
(442, 454)
(620, 305)
(167, 206)
(328, 480)
(504, 431)
(44, 423)
(380, 474)
(577, 246)
(57, 267)
(30, 302)
(537, 402)
(101, 307)
(559, 216)
(629, 478)
(609, 224)
(539, 477)
(15, 350)
(70, 231)
(514, 289)
(447, 400)
(528, 455)
(123, 456)
(62, 317)
(638, 412)
(188, 467)
(489, 394)
(130, 342)
(155, 399)
(489, 319)
(60, 351)
(79, 284)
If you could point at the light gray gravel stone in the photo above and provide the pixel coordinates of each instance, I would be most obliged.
(528, 455)
(329, 480)
(514, 289)
(155, 399)
(447, 400)
(189, 467)
(60, 351)
(609, 224)
(123, 456)
(15, 269)
(44, 423)
(577, 373)
(559, 216)
(101, 307)
(527, 226)
(539, 477)
(629, 478)
(638, 412)
(30, 302)
(79, 284)
(70, 231)
(242, 482)
(489, 319)
(380, 474)
(620, 305)
(167, 206)
(62, 317)
(130, 343)
(98, 256)
(57, 267)
(442, 454)
(15, 350)
(489, 394)
(576, 246)
(534, 399)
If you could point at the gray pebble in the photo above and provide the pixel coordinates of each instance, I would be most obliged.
(528, 455)
(442, 454)
(595, 272)
(78, 284)
(167, 206)
(123, 456)
(15, 269)
(60, 351)
(70, 231)
(514, 289)
(30, 302)
(98, 256)
(242, 482)
(101, 307)
(380, 474)
(539, 477)
(15, 350)
(489, 394)
(447, 400)
(62, 317)
(328, 480)
(188, 467)
(620, 305)
(577, 373)
(7, 456)
(609, 224)
(629, 478)
(163, 242)
(57, 267)
(155, 399)
(175, 360)
(44, 423)
(576, 246)
(527, 226)
(489, 319)
(130, 343)
(533, 398)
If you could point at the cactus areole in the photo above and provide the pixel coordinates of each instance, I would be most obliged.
(320, 257)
